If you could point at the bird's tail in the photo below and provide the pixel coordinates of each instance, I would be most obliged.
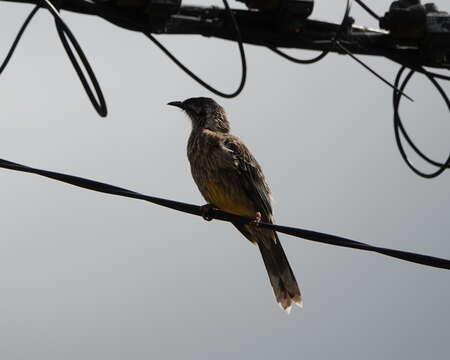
(281, 277)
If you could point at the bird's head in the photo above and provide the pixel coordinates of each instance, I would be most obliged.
(204, 113)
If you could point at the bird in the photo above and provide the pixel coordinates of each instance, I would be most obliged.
(230, 179)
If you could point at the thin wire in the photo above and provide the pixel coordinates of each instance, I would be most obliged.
(368, 9)
(324, 52)
(198, 79)
(398, 127)
(349, 53)
(220, 215)
(63, 30)
(18, 37)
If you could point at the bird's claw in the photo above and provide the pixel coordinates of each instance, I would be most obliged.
(206, 211)
(256, 220)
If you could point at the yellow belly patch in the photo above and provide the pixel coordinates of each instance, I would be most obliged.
(235, 202)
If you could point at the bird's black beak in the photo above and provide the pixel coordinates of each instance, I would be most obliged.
(177, 104)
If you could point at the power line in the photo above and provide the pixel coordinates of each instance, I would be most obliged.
(220, 215)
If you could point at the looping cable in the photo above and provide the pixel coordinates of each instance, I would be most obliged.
(18, 38)
(63, 31)
(197, 78)
(325, 52)
(399, 128)
(430, 73)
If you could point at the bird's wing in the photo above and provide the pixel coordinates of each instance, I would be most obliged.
(251, 177)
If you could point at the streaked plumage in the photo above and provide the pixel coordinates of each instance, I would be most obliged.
(230, 178)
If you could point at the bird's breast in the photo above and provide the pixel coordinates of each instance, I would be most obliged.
(227, 197)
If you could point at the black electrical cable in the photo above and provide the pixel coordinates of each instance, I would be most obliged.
(398, 126)
(198, 79)
(409, 140)
(18, 37)
(63, 31)
(435, 75)
(325, 52)
(220, 215)
(403, 61)
(368, 9)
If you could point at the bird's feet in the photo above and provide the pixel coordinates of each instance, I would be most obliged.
(256, 220)
(206, 211)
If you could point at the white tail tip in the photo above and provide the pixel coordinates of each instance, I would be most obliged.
(299, 303)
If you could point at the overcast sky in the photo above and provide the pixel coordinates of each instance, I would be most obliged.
(90, 276)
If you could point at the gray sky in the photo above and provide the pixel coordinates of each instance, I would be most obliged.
(89, 276)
